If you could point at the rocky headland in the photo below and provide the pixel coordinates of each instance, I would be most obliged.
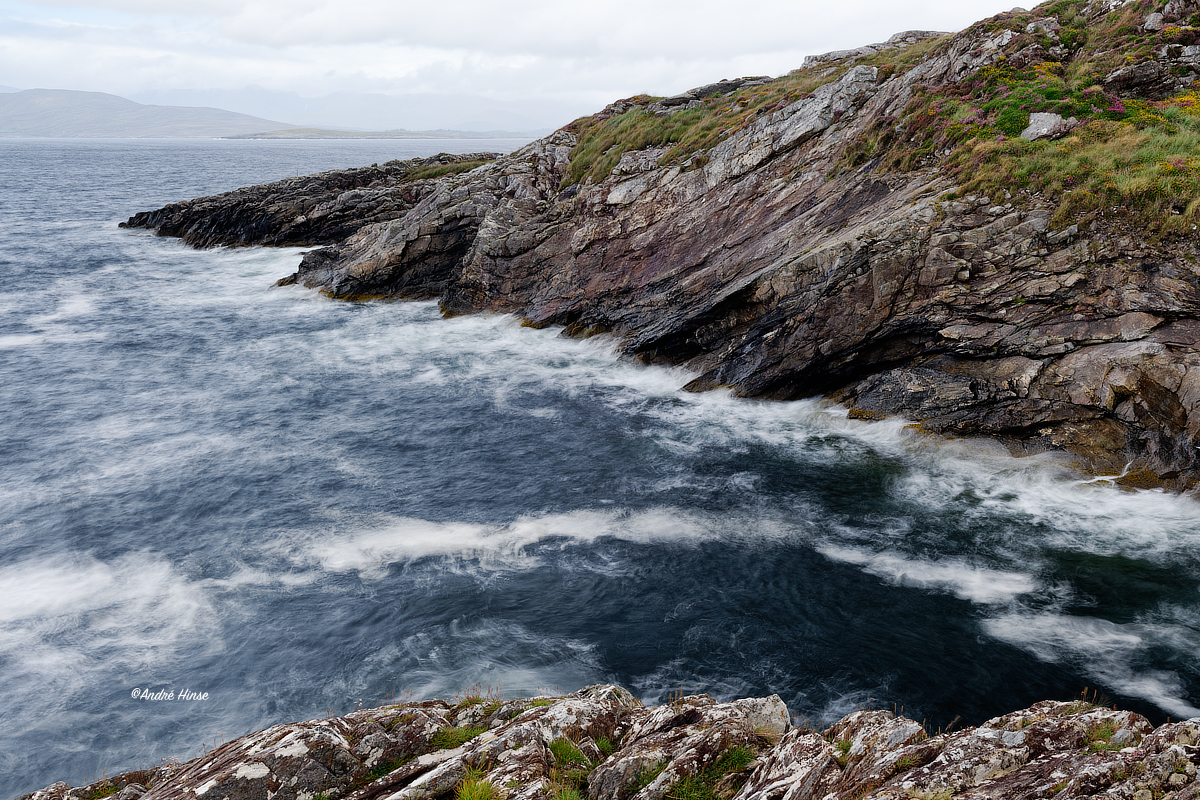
(991, 233)
(602, 744)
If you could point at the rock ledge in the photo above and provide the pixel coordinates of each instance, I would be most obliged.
(602, 743)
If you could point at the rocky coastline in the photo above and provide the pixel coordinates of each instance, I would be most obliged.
(802, 252)
(789, 259)
(602, 744)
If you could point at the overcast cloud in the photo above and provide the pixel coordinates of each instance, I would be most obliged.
(569, 57)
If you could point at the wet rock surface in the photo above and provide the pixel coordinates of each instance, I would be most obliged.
(601, 743)
(771, 268)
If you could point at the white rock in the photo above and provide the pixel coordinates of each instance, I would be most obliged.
(1043, 125)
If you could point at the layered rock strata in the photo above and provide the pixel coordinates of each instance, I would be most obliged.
(311, 210)
(769, 266)
(602, 744)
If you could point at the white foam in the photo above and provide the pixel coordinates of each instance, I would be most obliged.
(70, 307)
(1103, 650)
(370, 551)
(80, 616)
(981, 585)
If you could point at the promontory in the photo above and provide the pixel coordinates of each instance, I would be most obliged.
(990, 233)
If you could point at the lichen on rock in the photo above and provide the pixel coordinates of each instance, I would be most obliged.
(746, 749)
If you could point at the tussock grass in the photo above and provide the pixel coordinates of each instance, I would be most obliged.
(703, 785)
(441, 170)
(449, 738)
(1133, 158)
(1147, 171)
(568, 773)
(475, 787)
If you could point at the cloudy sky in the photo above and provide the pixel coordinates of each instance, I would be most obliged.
(556, 59)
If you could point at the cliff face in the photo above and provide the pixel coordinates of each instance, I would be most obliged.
(836, 242)
(603, 744)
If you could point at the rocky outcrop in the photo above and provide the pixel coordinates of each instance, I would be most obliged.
(896, 41)
(303, 211)
(603, 744)
(781, 265)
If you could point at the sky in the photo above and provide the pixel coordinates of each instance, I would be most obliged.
(548, 60)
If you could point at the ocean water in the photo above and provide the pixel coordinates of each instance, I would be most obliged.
(289, 506)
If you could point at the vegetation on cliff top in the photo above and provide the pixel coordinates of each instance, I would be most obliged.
(1130, 156)
(626, 125)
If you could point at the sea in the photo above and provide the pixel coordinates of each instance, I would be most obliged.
(225, 505)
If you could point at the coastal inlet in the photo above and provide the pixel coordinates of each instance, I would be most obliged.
(211, 484)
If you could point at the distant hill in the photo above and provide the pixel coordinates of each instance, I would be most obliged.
(70, 114)
(8, 89)
(324, 133)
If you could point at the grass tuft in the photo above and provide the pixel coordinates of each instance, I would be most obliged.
(475, 787)
(570, 768)
(703, 785)
(448, 738)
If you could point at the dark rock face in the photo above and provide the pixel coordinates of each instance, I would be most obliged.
(603, 744)
(315, 209)
(770, 268)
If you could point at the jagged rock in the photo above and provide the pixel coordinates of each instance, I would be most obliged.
(315, 209)
(680, 740)
(1149, 78)
(618, 750)
(671, 105)
(896, 40)
(726, 86)
(1046, 25)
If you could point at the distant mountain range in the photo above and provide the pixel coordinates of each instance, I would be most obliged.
(72, 114)
(373, 111)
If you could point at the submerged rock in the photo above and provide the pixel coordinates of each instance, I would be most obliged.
(602, 743)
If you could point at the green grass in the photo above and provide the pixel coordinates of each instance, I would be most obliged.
(1100, 737)
(703, 785)
(567, 753)
(1133, 158)
(605, 746)
(449, 738)
(644, 777)
(475, 787)
(570, 768)
(441, 170)
(104, 790)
